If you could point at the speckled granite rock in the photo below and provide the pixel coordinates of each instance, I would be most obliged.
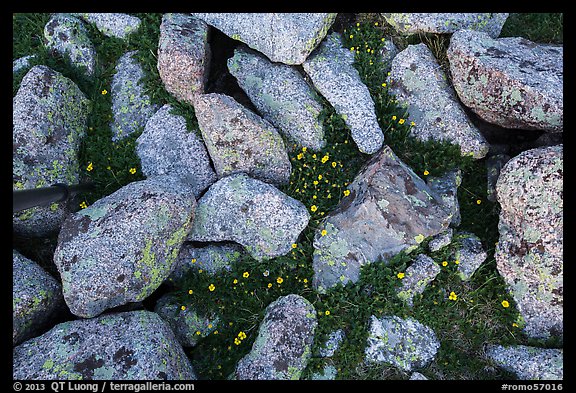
(529, 254)
(36, 297)
(510, 82)
(249, 212)
(136, 345)
(283, 37)
(49, 119)
(446, 22)
(66, 35)
(238, 140)
(183, 56)
(417, 276)
(281, 95)
(403, 343)
(528, 363)
(123, 246)
(112, 24)
(166, 146)
(284, 343)
(333, 74)
(418, 82)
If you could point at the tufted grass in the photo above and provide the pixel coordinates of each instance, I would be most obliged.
(239, 297)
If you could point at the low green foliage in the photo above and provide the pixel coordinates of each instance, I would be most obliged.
(464, 314)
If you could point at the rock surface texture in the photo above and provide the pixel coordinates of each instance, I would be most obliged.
(511, 82)
(283, 37)
(419, 83)
(49, 117)
(135, 345)
(385, 194)
(249, 212)
(528, 363)
(122, 247)
(284, 343)
(529, 254)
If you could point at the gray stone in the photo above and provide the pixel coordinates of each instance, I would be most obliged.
(418, 83)
(385, 194)
(36, 298)
(510, 82)
(403, 343)
(188, 325)
(283, 346)
(66, 35)
(131, 107)
(166, 146)
(136, 345)
(529, 253)
(417, 276)
(441, 240)
(387, 53)
(446, 186)
(123, 246)
(416, 376)
(212, 259)
(332, 343)
(528, 363)
(183, 56)
(328, 374)
(283, 37)
(494, 165)
(469, 253)
(238, 140)
(281, 95)
(22, 63)
(331, 68)
(112, 24)
(49, 118)
(446, 22)
(250, 212)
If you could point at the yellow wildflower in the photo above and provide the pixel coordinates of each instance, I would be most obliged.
(453, 296)
(279, 280)
(505, 304)
(313, 208)
(89, 167)
(324, 232)
(245, 274)
(346, 192)
(211, 287)
(83, 205)
(132, 170)
(400, 275)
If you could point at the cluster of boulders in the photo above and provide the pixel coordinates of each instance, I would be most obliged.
(220, 187)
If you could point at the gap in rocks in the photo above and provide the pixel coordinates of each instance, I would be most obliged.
(219, 78)
(512, 141)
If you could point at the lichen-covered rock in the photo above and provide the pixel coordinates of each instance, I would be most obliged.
(416, 376)
(417, 276)
(167, 147)
(328, 373)
(385, 194)
(332, 343)
(446, 22)
(239, 140)
(122, 247)
(469, 253)
(403, 343)
(446, 186)
(211, 259)
(441, 240)
(333, 74)
(281, 95)
(284, 343)
(112, 24)
(183, 56)
(529, 254)
(528, 363)
(136, 345)
(418, 82)
(249, 212)
(510, 82)
(494, 165)
(49, 118)
(66, 35)
(188, 325)
(387, 53)
(283, 37)
(22, 63)
(36, 297)
(131, 107)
